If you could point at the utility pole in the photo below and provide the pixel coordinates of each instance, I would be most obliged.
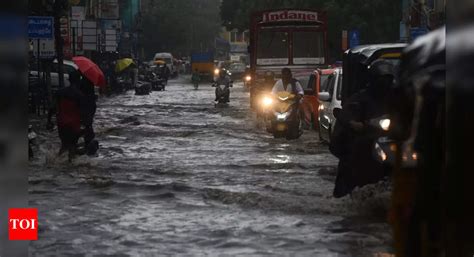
(58, 5)
(57, 11)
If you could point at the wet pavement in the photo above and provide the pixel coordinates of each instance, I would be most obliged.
(177, 176)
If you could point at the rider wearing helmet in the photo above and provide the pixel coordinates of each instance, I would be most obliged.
(224, 79)
(288, 83)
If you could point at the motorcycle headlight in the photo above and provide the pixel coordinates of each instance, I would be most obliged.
(385, 124)
(216, 72)
(267, 101)
(248, 78)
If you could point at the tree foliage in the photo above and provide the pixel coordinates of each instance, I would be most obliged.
(377, 20)
(179, 26)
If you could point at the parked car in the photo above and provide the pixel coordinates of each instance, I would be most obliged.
(68, 66)
(312, 85)
(329, 99)
(169, 60)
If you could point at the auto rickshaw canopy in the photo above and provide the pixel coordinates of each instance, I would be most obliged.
(357, 60)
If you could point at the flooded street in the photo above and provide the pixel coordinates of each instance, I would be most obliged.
(177, 176)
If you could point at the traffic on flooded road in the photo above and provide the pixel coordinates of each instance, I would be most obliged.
(325, 128)
(175, 175)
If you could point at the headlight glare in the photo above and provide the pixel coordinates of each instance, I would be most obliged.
(267, 101)
(385, 124)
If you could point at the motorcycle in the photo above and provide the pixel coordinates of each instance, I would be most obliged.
(222, 92)
(385, 148)
(157, 83)
(282, 115)
(143, 88)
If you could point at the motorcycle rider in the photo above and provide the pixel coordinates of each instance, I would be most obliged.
(225, 80)
(196, 78)
(165, 72)
(289, 84)
(353, 136)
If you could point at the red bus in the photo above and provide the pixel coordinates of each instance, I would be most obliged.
(291, 38)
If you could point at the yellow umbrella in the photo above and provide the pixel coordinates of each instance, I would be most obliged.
(122, 64)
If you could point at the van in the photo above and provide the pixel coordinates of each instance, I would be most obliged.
(169, 60)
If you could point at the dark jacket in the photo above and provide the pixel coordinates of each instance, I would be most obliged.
(88, 103)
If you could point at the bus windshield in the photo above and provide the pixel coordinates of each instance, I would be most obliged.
(272, 48)
(308, 47)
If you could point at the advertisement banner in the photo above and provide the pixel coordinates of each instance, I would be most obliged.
(66, 36)
(89, 35)
(78, 13)
(109, 9)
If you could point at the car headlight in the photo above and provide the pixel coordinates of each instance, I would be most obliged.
(248, 78)
(267, 101)
(385, 124)
(216, 72)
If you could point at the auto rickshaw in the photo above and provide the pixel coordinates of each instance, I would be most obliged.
(361, 167)
(356, 62)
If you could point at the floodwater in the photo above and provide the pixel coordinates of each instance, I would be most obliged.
(177, 176)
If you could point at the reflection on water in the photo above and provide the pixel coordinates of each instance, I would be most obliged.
(176, 176)
(281, 159)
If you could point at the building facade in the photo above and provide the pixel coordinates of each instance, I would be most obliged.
(97, 27)
(420, 17)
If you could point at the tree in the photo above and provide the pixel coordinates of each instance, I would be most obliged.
(180, 26)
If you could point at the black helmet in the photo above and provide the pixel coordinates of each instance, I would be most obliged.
(222, 72)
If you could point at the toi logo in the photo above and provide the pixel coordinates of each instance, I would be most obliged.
(23, 224)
